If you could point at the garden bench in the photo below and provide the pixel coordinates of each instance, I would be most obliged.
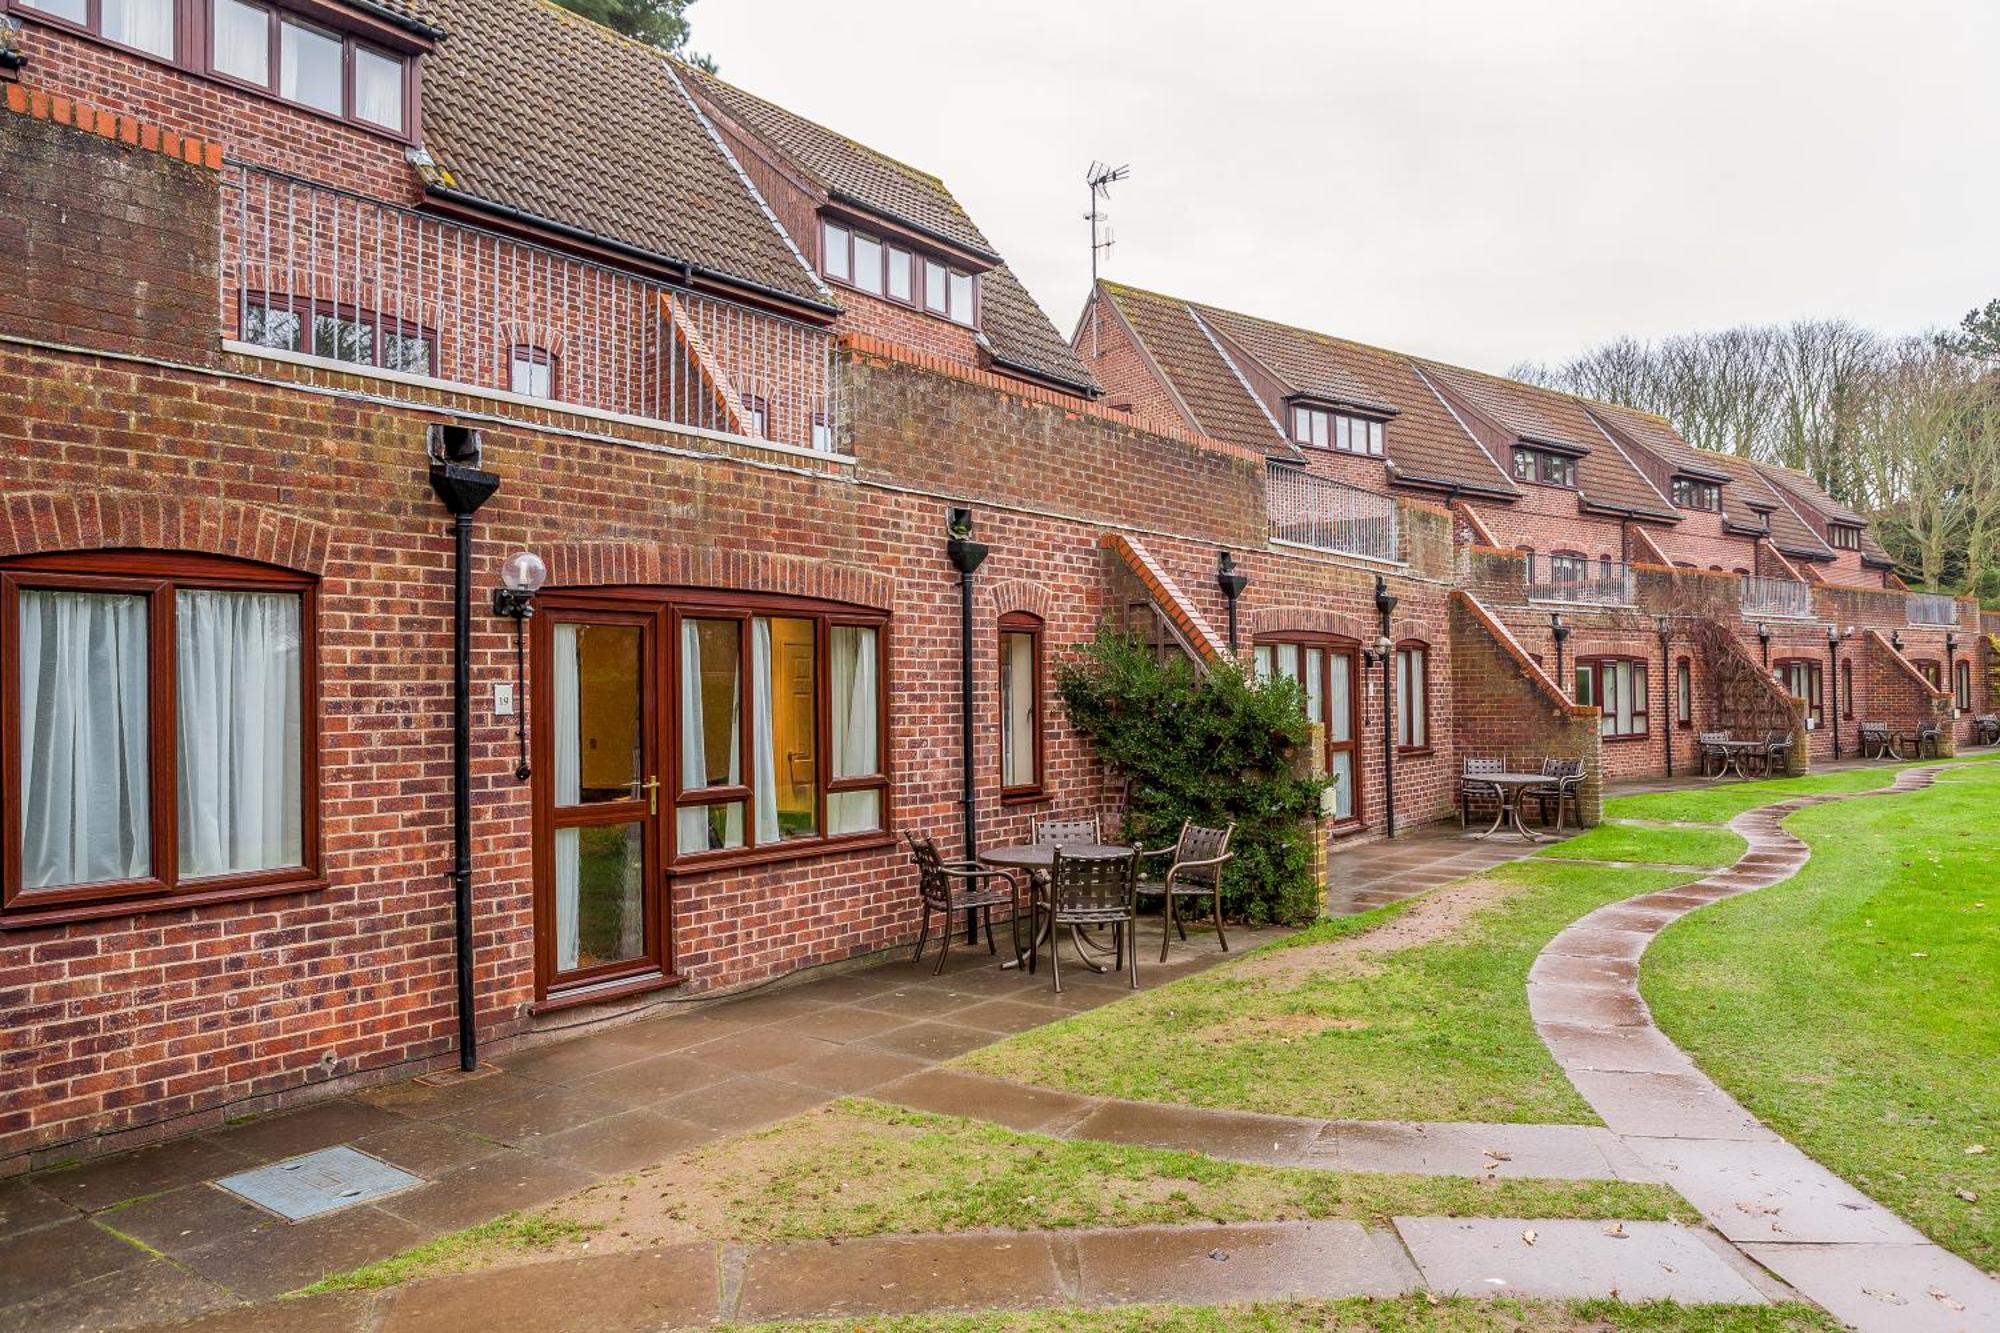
(1986, 728)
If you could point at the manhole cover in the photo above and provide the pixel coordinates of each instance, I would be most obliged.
(319, 1182)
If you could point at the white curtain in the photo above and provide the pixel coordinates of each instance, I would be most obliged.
(694, 823)
(565, 697)
(764, 779)
(86, 788)
(242, 40)
(856, 749)
(1017, 711)
(238, 698)
(146, 24)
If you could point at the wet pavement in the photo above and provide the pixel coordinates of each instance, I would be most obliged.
(1367, 875)
(147, 1236)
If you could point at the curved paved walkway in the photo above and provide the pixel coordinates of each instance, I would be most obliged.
(1825, 1238)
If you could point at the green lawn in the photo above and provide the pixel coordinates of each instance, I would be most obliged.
(1856, 1008)
(1680, 847)
(1724, 801)
(1406, 1314)
(1438, 1030)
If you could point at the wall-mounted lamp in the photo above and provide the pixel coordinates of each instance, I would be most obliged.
(1232, 581)
(1560, 632)
(1896, 639)
(1833, 638)
(1764, 641)
(521, 577)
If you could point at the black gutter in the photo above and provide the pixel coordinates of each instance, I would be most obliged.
(1452, 489)
(1090, 391)
(457, 481)
(966, 555)
(403, 21)
(583, 234)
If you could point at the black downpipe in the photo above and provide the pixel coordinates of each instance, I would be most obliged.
(1670, 702)
(966, 556)
(463, 488)
(1385, 606)
(1833, 687)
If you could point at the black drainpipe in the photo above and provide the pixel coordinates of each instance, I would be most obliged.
(1385, 604)
(966, 556)
(1670, 713)
(458, 481)
(1232, 581)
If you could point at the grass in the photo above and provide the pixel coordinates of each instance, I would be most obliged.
(1403, 1314)
(1724, 801)
(860, 1168)
(1853, 1007)
(1680, 847)
(459, 1251)
(1438, 1030)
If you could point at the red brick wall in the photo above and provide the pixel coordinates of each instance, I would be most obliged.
(1127, 374)
(1511, 709)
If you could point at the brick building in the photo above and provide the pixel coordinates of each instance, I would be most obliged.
(282, 277)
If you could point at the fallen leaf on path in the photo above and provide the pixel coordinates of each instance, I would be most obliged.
(1888, 1297)
(1528, 1237)
(1616, 1229)
(1945, 1300)
(1497, 1155)
(1758, 1209)
(1975, 1149)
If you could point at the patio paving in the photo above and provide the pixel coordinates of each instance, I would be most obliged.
(146, 1236)
(1367, 875)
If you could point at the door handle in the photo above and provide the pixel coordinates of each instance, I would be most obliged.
(651, 786)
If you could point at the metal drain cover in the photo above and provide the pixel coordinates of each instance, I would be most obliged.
(319, 1182)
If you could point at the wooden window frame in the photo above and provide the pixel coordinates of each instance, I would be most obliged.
(1538, 463)
(1642, 712)
(1306, 417)
(1692, 493)
(1329, 644)
(1405, 745)
(307, 308)
(1843, 536)
(535, 354)
(157, 576)
(1961, 684)
(1684, 693)
(1023, 622)
(1815, 671)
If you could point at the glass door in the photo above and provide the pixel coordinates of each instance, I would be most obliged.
(597, 911)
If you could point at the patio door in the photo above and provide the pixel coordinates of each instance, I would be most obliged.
(1325, 669)
(598, 899)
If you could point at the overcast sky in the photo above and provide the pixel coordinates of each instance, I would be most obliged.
(1477, 180)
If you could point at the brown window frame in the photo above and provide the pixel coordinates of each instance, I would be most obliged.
(1329, 644)
(1405, 745)
(1026, 623)
(194, 53)
(1683, 693)
(1374, 431)
(1843, 536)
(1847, 689)
(535, 354)
(1784, 668)
(1690, 493)
(309, 308)
(1931, 670)
(1642, 712)
(921, 262)
(1540, 463)
(1961, 684)
(157, 576)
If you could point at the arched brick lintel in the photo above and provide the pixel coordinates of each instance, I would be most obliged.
(1005, 596)
(590, 564)
(1323, 620)
(35, 522)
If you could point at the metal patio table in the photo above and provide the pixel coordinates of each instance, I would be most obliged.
(1733, 754)
(1509, 787)
(1036, 858)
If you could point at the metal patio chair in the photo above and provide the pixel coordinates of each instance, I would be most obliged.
(1565, 784)
(1986, 728)
(1470, 786)
(1777, 750)
(1195, 872)
(1714, 748)
(1091, 891)
(1079, 832)
(951, 887)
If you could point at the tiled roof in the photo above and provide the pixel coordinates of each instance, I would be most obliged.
(1017, 331)
(1806, 493)
(1223, 409)
(532, 108)
(1424, 441)
(1605, 476)
(418, 18)
(1747, 498)
(846, 168)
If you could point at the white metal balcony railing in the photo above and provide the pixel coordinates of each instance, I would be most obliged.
(1330, 515)
(1575, 579)
(1930, 608)
(1777, 599)
(324, 272)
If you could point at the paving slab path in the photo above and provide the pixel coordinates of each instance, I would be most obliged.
(1828, 1240)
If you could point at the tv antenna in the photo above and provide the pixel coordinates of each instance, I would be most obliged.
(1100, 178)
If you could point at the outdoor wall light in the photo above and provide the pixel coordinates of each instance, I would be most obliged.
(521, 577)
(1764, 641)
(1896, 639)
(1232, 581)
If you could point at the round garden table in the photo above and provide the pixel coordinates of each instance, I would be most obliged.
(1509, 787)
(1036, 858)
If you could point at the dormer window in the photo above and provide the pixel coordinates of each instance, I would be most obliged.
(1318, 428)
(1843, 537)
(895, 273)
(1543, 467)
(1692, 494)
(142, 25)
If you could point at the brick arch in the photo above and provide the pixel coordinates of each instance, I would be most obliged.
(1008, 595)
(584, 564)
(48, 521)
(1307, 620)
